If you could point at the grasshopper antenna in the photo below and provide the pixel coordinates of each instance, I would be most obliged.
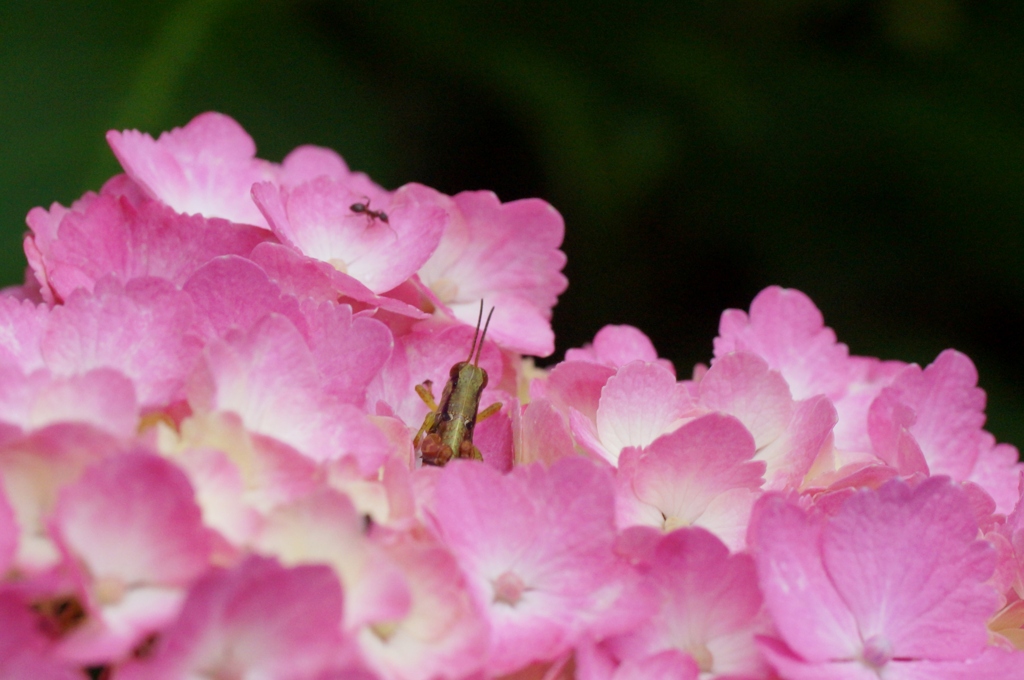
(476, 333)
(476, 359)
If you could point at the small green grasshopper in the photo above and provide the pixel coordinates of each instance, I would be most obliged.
(447, 431)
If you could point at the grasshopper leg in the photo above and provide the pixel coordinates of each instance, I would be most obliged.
(489, 411)
(426, 392)
(428, 422)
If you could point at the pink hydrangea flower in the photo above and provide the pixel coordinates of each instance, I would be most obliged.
(207, 167)
(930, 421)
(786, 329)
(102, 398)
(507, 255)
(255, 620)
(146, 329)
(133, 532)
(616, 346)
(699, 475)
(537, 548)
(638, 404)
(269, 378)
(709, 608)
(893, 583)
(324, 528)
(380, 250)
(443, 633)
(108, 235)
(208, 404)
(24, 324)
(789, 435)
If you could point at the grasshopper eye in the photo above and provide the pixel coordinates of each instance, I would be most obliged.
(454, 373)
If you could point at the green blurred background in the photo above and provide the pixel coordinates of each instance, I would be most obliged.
(870, 154)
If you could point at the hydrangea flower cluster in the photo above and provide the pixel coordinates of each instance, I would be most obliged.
(208, 410)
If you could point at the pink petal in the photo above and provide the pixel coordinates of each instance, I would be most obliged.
(38, 245)
(8, 533)
(638, 404)
(805, 606)
(298, 275)
(549, 530)
(543, 435)
(33, 472)
(206, 167)
(740, 384)
(908, 566)
(304, 277)
(318, 220)
(506, 254)
(871, 376)
(667, 665)
(999, 471)
(787, 330)
(790, 666)
(444, 633)
(584, 433)
(790, 457)
(325, 528)
(493, 437)
(616, 346)
(680, 473)
(133, 518)
(268, 377)
(233, 293)
(306, 163)
(707, 600)
(30, 290)
(992, 663)
(101, 397)
(23, 325)
(258, 618)
(145, 329)
(111, 236)
(947, 413)
(348, 351)
(273, 472)
(577, 385)
(221, 494)
(727, 516)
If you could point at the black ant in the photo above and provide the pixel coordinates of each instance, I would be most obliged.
(364, 209)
